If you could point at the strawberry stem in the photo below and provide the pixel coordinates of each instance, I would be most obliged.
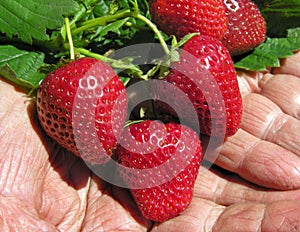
(156, 31)
(129, 24)
(130, 68)
(101, 21)
(94, 55)
(69, 35)
(151, 25)
(131, 122)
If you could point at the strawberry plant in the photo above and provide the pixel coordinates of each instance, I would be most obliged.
(63, 53)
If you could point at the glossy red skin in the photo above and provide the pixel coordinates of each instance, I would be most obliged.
(61, 110)
(216, 98)
(246, 26)
(181, 17)
(171, 198)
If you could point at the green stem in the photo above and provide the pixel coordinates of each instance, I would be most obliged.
(69, 35)
(101, 21)
(129, 24)
(129, 68)
(94, 55)
(156, 31)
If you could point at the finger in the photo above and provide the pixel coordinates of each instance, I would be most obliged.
(281, 216)
(226, 188)
(264, 119)
(201, 215)
(9, 95)
(261, 162)
(284, 91)
(277, 216)
(248, 81)
(289, 65)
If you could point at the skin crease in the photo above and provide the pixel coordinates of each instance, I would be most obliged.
(253, 186)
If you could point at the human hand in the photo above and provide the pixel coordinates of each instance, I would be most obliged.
(254, 184)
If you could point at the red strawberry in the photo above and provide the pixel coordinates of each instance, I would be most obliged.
(206, 74)
(82, 106)
(246, 26)
(170, 163)
(181, 17)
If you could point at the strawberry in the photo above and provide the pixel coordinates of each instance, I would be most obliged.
(77, 107)
(170, 163)
(246, 26)
(181, 17)
(206, 74)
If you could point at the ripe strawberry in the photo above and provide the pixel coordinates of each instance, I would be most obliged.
(246, 26)
(181, 17)
(81, 106)
(206, 74)
(171, 163)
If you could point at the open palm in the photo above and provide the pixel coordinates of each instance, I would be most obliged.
(253, 185)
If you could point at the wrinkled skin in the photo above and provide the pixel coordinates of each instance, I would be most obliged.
(253, 186)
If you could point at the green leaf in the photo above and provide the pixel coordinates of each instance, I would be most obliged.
(125, 80)
(268, 54)
(279, 15)
(184, 40)
(287, 7)
(21, 67)
(101, 9)
(127, 65)
(113, 27)
(293, 35)
(30, 19)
